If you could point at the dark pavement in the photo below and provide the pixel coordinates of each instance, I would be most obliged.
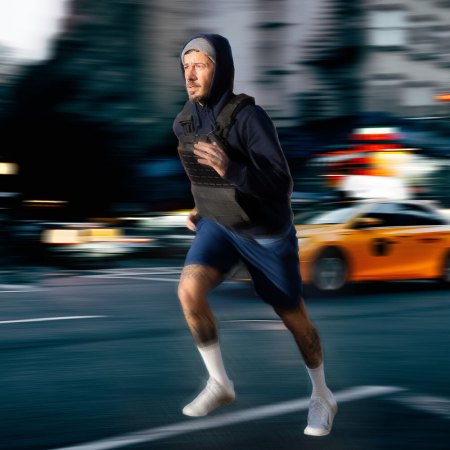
(101, 359)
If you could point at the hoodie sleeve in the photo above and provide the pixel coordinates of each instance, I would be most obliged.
(267, 174)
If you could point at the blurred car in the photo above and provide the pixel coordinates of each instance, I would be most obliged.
(374, 240)
(86, 242)
(167, 230)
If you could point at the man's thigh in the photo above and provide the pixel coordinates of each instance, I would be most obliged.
(212, 248)
(197, 280)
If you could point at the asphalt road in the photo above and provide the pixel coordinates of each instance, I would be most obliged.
(102, 359)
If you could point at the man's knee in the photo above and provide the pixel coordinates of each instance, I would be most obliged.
(195, 283)
(296, 314)
(186, 294)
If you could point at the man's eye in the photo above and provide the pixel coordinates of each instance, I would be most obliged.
(196, 66)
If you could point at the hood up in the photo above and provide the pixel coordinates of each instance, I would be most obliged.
(223, 78)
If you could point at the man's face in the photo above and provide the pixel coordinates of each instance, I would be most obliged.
(198, 74)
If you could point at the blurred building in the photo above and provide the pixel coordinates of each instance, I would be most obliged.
(380, 55)
(332, 59)
(381, 63)
(407, 57)
(100, 107)
(310, 60)
(298, 58)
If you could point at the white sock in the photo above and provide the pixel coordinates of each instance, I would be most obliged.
(212, 357)
(320, 388)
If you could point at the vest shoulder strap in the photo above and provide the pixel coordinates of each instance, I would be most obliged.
(185, 119)
(225, 119)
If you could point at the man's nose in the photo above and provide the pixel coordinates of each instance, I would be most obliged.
(190, 73)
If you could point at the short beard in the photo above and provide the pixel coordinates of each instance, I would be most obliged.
(200, 99)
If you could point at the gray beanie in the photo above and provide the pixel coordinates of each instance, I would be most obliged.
(202, 45)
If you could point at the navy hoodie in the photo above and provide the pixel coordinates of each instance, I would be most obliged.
(265, 183)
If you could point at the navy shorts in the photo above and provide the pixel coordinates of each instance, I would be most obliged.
(272, 262)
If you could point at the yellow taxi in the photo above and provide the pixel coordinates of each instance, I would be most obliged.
(374, 240)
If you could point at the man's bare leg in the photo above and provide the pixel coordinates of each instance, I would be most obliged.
(323, 406)
(304, 332)
(195, 283)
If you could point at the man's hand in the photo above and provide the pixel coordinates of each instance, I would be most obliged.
(191, 221)
(213, 156)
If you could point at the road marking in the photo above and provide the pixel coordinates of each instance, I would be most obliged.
(258, 324)
(252, 320)
(122, 273)
(142, 273)
(153, 270)
(49, 319)
(126, 277)
(261, 412)
(434, 405)
(14, 288)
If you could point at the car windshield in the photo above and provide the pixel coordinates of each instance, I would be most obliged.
(335, 216)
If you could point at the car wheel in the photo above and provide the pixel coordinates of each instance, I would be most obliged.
(330, 271)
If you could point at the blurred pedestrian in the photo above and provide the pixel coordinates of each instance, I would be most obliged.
(241, 185)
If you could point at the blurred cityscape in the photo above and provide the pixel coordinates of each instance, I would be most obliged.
(359, 91)
(95, 351)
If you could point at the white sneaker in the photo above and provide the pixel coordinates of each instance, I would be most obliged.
(320, 416)
(213, 396)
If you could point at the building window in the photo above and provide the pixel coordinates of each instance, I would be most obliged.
(387, 28)
(418, 99)
(422, 38)
(443, 3)
(418, 95)
(442, 34)
(384, 93)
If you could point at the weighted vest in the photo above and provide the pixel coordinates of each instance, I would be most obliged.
(215, 198)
